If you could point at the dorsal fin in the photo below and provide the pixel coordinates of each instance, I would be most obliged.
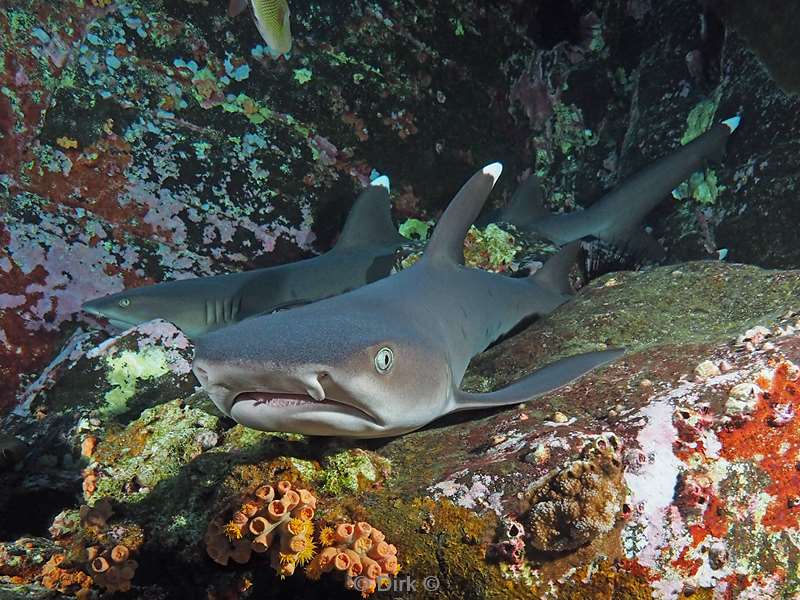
(526, 205)
(447, 241)
(554, 275)
(370, 219)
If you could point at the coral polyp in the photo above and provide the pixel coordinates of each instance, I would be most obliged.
(275, 520)
(359, 552)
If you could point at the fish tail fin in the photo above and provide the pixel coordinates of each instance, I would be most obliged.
(538, 383)
(554, 275)
(447, 240)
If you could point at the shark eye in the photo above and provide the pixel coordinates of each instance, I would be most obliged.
(124, 303)
(384, 359)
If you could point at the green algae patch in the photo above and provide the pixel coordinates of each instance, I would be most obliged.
(352, 471)
(302, 76)
(700, 119)
(126, 369)
(491, 248)
(414, 229)
(151, 449)
(702, 187)
(240, 437)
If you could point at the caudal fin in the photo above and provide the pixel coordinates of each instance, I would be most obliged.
(617, 217)
(619, 214)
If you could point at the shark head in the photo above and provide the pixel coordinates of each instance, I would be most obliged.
(193, 305)
(125, 309)
(319, 370)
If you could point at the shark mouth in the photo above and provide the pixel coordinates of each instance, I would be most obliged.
(279, 399)
(290, 401)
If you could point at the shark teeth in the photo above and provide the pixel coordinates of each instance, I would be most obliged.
(276, 399)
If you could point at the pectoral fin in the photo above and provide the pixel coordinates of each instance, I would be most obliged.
(540, 382)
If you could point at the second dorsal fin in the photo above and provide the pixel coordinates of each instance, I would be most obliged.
(370, 219)
(526, 205)
(447, 241)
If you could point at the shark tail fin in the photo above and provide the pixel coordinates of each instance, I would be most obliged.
(370, 219)
(554, 275)
(538, 383)
(617, 217)
(447, 241)
(526, 205)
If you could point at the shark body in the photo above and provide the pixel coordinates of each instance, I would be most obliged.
(388, 358)
(363, 253)
(369, 240)
(617, 216)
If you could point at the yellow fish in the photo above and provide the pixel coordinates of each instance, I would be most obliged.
(272, 21)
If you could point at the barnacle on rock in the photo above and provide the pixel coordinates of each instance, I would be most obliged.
(510, 545)
(277, 520)
(580, 501)
(360, 552)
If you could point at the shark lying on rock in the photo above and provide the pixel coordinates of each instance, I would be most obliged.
(388, 358)
(366, 248)
(363, 253)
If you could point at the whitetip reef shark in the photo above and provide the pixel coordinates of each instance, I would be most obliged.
(388, 358)
(364, 252)
(617, 216)
(369, 240)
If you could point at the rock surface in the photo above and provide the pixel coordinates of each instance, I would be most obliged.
(651, 483)
(143, 141)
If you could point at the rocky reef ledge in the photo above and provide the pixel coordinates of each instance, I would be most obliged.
(675, 470)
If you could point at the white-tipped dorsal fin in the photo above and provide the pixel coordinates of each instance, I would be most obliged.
(447, 241)
(370, 219)
(382, 181)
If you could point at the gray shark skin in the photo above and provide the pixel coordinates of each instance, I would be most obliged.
(617, 216)
(369, 239)
(363, 253)
(388, 358)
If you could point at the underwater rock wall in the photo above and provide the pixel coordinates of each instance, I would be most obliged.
(145, 140)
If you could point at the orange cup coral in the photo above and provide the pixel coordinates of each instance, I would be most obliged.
(276, 520)
(359, 551)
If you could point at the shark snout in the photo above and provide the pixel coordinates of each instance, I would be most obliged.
(225, 381)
